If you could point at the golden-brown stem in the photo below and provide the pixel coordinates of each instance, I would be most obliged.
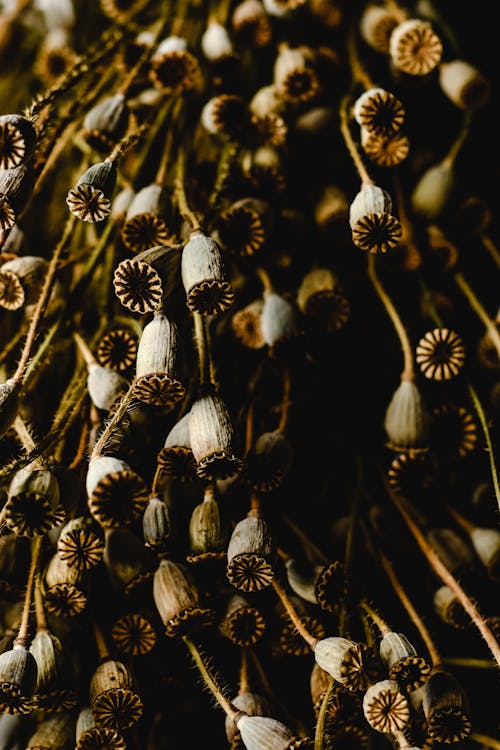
(265, 280)
(491, 248)
(209, 679)
(285, 404)
(375, 617)
(41, 619)
(22, 635)
(180, 192)
(319, 734)
(244, 684)
(100, 642)
(350, 144)
(459, 141)
(359, 73)
(478, 308)
(293, 615)
(203, 349)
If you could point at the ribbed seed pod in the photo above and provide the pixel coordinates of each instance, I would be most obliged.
(113, 697)
(251, 24)
(90, 199)
(408, 669)
(176, 457)
(244, 227)
(407, 420)
(320, 297)
(15, 188)
(278, 320)
(263, 733)
(212, 439)
(32, 501)
(385, 151)
(449, 609)
(118, 349)
(55, 689)
(203, 276)
(486, 543)
(373, 227)
(64, 589)
(207, 540)
(116, 494)
(294, 75)
(91, 737)
(173, 68)
(142, 282)
(145, 225)
(414, 47)
(18, 140)
(464, 84)
(348, 662)
(133, 634)
(268, 462)
(251, 704)
(54, 733)
(445, 707)
(178, 599)
(18, 674)
(106, 123)
(81, 543)
(379, 112)
(433, 191)
(156, 382)
(10, 392)
(11, 291)
(226, 115)
(121, 203)
(331, 586)
(385, 707)
(243, 624)
(249, 555)
(130, 564)
(454, 551)
(263, 169)
(29, 271)
(267, 101)
(376, 25)
(156, 526)
(215, 41)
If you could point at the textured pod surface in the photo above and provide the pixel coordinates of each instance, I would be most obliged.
(263, 733)
(407, 420)
(203, 276)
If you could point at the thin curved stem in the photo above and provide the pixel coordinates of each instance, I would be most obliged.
(350, 144)
(180, 193)
(319, 733)
(478, 308)
(375, 617)
(210, 680)
(293, 615)
(113, 423)
(22, 635)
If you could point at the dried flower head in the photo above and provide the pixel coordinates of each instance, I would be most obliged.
(415, 48)
(133, 634)
(246, 325)
(211, 438)
(440, 354)
(242, 623)
(373, 226)
(407, 419)
(449, 609)
(454, 431)
(410, 474)
(244, 226)
(55, 57)
(116, 494)
(445, 706)
(156, 525)
(11, 290)
(465, 85)
(114, 700)
(376, 25)
(90, 199)
(173, 68)
(226, 115)
(203, 276)
(80, 545)
(386, 709)
(251, 23)
(249, 555)
(156, 381)
(18, 675)
(385, 151)
(32, 506)
(145, 225)
(176, 457)
(18, 139)
(55, 688)
(379, 112)
(118, 349)
(64, 589)
(178, 600)
(295, 76)
(349, 663)
(408, 669)
(106, 123)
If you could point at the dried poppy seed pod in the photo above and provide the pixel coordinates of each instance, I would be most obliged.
(176, 457)
(54, 733)
(294, 75)
(118, 349)
(106, 123)
(246, 325)
(178, 599)
(250, 555)
(215, 41)
(244, 227)
(348, 662)
(32, 500)
(433, 190)
(145, 225)
(226, 115)
(207, 540)
(142, 282)
(243, 624)
(414, 47)
(55, 56)
(268, 461)
(302, 579)
(282, 8)
(156, 380)
(133, 634)
(116, 494)
(440, 354)
(331, 210)
(64, 589)
(251, 704)
(445, 707)
(113, 697)
(81, 543)
(90, 200)
(449, 609)
(104, 385)
(211, 437)
(373, 226)
(121, 203)
(18, 674)
(91, 737)
(18, 140)
(10, 392)
(385, 151)
(55, 690)
(263, 733)
(320, 296)
(15, 188)
(408, 669)
(464, 84)
(379, 111)
(385, 707)
(486, 543)
(376, 25)
(267, 101)
(156, 526)
(128, 561)
(454, 551)
(203, 276)
(173, 68)
(278, 320)
(251, 23)
(29, 272)
(407, 420)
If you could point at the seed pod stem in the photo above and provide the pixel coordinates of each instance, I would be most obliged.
(293, 614)
(22, 635)
(41, 619)
(350, 144)
(375, 617)
(358, 71)
(478, 308)
(209, 680)
(114, 422)
(322, 719)
(180, 193)
(203, 349)
(102, 647)
(487, 437)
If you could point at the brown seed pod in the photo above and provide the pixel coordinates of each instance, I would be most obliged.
(212, 440)
(440, 354)
(118, 349)
(321, 298)
(11, 291)
(90, 199)
(251, 704)
(207, 538)
(133, 634)
(373, 226)
(449, 609)
(376, 25)
(465, 85)
(64, 589)
(113, 697)
(454, 431)
(226, 115)
(278, 321)
(173, 68)
(410, 474)
(156, 526)
(106, 123)
(207, 289)
(249, 555)
(32, 506)
(145, 224)
(18, 140)
(18, 674)
(243, 624)
(23, 278)
(268, 130)
(349, 663)
(407, 420)
(295, 76)
(178, 599)
(385, 151)
(91, 737)
(116, 494)
(142, 282)
(386, 709)
(53, 733)
(246, 325)
(408, 669)
(445, 707)
(268, 461)
(486, 542)
(244, 227)
(251, 24)
(129, 563)
(55, 686)
(81, 544)
(415, 48)
(176, 457)
(263, 170)
(156, 381)
(379, 112)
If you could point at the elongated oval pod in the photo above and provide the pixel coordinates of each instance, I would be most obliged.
(453, 550)
(465, 85)
(251, 23)
(65, 593)
(263, 733)
(242, 623)
(156, 525)
(31, 271)
(145, 224)
(208, 291)
(89, 736)
(18, 139)
(251, 704)
(157, 381)
(405, 666)
(449, 609)
(407, 420)
(433, 191)
(176, 457)
(113, 696)
(373, 226)
(16, 186)
(90, 199)
(18, 675)
(32, 500)
(212, 438)
(215, 41)
(105, 386)
(55, 687)
(106, 122)
(130, 564)
(349, 663)
(486, 543)
(116, 494)
(376, 25)
(10, 392)
(446, 707)
(250, 555)
(178, 599)
(385, 707)
(225, 115)
(207, 540)
(54, 733)
(141, 283)
(302, 579)
(278, 319)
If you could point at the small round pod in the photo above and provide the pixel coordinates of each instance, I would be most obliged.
(349, 663)
(10, 393)
(373, 226)
(414, 47)
(133, 634)
(207, 537)
(81, 543)
(32, 501)
(385, 707)
(208, 291)
(440, 354)
(446, 707)
(116, 494)
(376, 25)
(90, 199)
(294, 74)
(156, 525)
(243, 624)
(156, 380)
(113, 696)
(176, 457)
(173, 68)
(64, 589)
(321, 298)
(18, 675)
(267, 101)
(215, 41)
(251, 704)
(212, 439)
(386, 151)
(250, 555)
(251, 23)
(407, 419)
(18, 140)
(408, 669)
(54, 733)
(145, 224)
(244, 227)
(55, 686)
(106, 123)
(141, 283)
(449, 609)
(129, 563)
(226, 115)
(30, 272)
(55, 57)
(118, 349)
(16, 186)
(263, 733)
(379, 112)
(433, 191)
(91, 737)
(178, 599)
(268, 461)
(246, 325)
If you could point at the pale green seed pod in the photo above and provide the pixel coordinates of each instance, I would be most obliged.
(407, 420)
